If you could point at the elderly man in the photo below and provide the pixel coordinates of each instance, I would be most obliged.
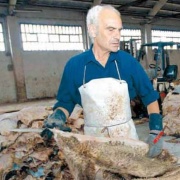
(103, 80)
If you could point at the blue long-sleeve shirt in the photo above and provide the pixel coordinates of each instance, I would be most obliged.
(130, 70)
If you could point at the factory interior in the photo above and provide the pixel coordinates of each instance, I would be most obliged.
(37, 38)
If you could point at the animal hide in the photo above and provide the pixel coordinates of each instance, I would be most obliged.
(87, 155)
(171, 114)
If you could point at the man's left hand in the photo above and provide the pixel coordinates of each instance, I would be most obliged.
(154, 139)
(155, 148)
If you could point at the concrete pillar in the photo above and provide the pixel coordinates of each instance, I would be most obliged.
(148, 34)
(146, 38)
(17, 60)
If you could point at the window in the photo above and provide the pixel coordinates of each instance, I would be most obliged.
(2, 45)
(133, 35)
(166, 36)
(51, 38)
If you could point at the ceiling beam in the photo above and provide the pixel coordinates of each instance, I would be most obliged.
(145, 9)
(12, 5)
(152, 13)
(96, 2)
(156, 8)
(133, 3)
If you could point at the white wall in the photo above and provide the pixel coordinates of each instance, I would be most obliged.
(38, 73)
(7, 82)
(43, 71)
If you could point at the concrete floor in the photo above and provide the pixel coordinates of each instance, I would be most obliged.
(142, 129)
(13, 107)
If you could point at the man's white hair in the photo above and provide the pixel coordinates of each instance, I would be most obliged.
(93, 16)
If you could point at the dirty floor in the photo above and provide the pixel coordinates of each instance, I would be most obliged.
(13, 107)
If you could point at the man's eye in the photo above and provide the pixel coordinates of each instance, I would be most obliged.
(111, 29)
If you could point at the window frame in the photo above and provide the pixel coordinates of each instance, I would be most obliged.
(50, 30)
(2, 43)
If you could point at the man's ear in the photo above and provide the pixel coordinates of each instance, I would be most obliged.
(92, 29)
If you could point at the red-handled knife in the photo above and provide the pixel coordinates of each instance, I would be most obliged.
(156, 139)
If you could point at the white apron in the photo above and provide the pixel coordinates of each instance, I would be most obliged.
(106, 108)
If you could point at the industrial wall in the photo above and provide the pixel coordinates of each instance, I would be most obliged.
(39, 72)
(36, 74)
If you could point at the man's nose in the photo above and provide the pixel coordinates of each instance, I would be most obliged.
(117, 34)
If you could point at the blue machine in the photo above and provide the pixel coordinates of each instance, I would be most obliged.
(161, 56)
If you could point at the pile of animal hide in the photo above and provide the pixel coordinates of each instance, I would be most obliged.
(104, 158)
(73, 156)
(171, 114)
(26, 155)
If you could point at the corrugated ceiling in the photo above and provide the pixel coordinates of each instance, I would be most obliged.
(147, 9)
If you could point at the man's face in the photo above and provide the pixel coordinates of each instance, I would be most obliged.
(108, 31)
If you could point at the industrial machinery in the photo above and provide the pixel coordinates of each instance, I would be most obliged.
(161, 58)
(161, 81)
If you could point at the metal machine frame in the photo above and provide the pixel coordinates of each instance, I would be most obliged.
(161, 55)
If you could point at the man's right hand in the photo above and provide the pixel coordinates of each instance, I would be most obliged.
(57, 120)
